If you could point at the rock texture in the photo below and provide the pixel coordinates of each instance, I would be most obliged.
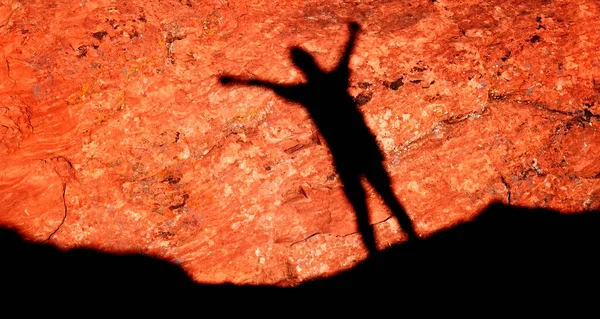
(117, 135)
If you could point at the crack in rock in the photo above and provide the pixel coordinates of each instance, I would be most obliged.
(454, 119)
(344, 235)
(64, 187)
(584, 114)
(507, 186)
(8, 73)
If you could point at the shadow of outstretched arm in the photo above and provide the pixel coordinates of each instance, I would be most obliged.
(231, 80)
(290, 92)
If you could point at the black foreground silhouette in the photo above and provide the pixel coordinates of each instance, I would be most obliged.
(506, 258)
(353, 146)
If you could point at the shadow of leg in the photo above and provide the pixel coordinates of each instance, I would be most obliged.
(380, 180)
(356, 195)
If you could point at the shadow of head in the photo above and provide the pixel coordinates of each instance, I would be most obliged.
(305, 62)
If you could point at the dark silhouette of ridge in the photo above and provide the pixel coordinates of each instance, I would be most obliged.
(507, 254)
(353, 146)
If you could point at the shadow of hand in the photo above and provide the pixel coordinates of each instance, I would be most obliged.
(227, 80)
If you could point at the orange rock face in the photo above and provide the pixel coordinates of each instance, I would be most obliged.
(116, 133)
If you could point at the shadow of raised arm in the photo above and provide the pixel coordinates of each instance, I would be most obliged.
(342, 68)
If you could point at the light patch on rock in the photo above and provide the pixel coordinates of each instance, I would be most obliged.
(375, 63)
(388, 144)
(324, 268)
(254, 151)
(90, 147)
(468, 185)
(291, 170)
(185, 154)
(309, 170)
(231, 154)
(383, 123)
(563, 82)
(269, 187)
(136, 217)
(570, 65)
(388, 114)
(228, 190)
(95, 173)
(413, 186)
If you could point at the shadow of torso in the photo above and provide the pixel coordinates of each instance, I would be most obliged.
(340, 122)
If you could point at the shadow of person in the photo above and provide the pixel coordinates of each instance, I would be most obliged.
(353, 146)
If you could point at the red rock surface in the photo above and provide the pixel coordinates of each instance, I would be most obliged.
(117, 135)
